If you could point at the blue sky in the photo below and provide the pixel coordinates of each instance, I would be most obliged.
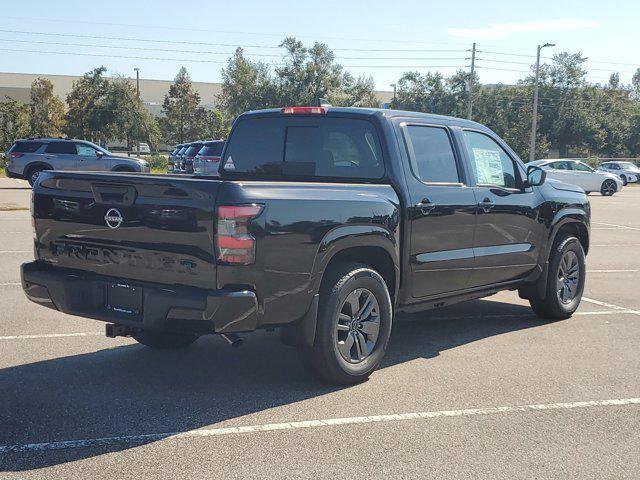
(422, 35)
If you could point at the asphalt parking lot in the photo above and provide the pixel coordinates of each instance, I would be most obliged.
(479, 390)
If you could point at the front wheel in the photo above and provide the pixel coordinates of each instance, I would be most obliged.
(164, 340)
(623, 177)
(608, 188)
(353, 327)
(565, 281)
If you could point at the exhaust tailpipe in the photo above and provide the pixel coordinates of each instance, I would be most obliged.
(232, 339)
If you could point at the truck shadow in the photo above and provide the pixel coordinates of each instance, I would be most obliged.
(132, 390)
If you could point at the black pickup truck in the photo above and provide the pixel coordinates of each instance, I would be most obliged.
(324, 222)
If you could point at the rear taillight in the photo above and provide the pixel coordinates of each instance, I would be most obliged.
(209, 159)
(15, 155)
(234, 243)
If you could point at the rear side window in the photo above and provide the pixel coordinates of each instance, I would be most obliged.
(305, 147)
(25, 147)
(432, 154)
(61, 147)
(212, 149)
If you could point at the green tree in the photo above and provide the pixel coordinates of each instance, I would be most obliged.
(86, 115)
(125, 117)
(246, 85)
(14, 122)
(180, 106)
(47, 110)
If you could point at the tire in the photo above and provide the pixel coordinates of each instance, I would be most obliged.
(32, 174)
(608, 188)
(347, 348)
(164, 340)
(623, 177)
(564, 282)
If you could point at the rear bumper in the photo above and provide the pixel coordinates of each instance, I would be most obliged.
(11, 174)
(163, 307)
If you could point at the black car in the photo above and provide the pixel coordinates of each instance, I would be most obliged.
(173, 163)
(189, 155)
(324, 223)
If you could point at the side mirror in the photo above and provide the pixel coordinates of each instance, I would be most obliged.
(99, 154)
(535, 176)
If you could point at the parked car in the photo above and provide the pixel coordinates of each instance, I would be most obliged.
(580, 174)
(145, 149)
(180, 165)
(627, 171)
(188, 156)
(172, 163)
(325, 222)
(27, 158)
(207, 161)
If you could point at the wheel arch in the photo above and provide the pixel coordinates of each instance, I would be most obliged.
(28, 168)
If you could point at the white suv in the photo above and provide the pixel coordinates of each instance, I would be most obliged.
(627, 171)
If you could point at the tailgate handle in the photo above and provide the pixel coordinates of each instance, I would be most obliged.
(114, 194)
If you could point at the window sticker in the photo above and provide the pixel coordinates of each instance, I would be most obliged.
(488, 166)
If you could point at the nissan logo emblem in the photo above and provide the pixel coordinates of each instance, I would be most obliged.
(113, 218)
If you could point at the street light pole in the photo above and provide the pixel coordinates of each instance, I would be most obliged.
(138, 95)
(534, 118)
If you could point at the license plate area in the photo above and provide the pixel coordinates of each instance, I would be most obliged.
(124, 299)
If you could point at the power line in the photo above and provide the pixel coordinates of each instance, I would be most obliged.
(184, 42)
(196, 29)
(196, 60)
(208, 52)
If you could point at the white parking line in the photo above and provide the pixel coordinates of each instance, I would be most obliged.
(622, 227)
(615, 245)
(51, 335)
(9, 284)
(617, 308)
(613, 271)
(329, 422)
(16, 251)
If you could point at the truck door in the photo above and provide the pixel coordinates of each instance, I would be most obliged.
(442, 211)
(507, 232)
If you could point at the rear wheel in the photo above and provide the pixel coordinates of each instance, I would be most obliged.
(608, 188)
(353, 327)
(164, 340)
(33, 173)
(564, 283)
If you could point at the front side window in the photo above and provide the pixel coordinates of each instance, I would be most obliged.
(68, 148)
(432, 154)
(490, 163)
(86, 150)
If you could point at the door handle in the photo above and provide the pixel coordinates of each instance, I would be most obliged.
(425, 206)
(486, 205)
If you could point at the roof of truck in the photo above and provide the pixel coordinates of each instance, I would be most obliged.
(430, 117)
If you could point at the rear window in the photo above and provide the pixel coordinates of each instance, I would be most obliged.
(182, 150)
(61, 147)
(212, 149)
(305, 146)
(175, 150)
(25, 147)
(193, 149)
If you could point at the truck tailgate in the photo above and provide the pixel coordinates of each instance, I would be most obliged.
(140, 227)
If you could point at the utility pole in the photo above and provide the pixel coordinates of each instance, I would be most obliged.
(470, 82)
(534, 118)
(394, 95)
(138, 94)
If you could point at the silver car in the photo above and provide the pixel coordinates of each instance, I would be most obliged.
(27, 158)
(627, 171)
